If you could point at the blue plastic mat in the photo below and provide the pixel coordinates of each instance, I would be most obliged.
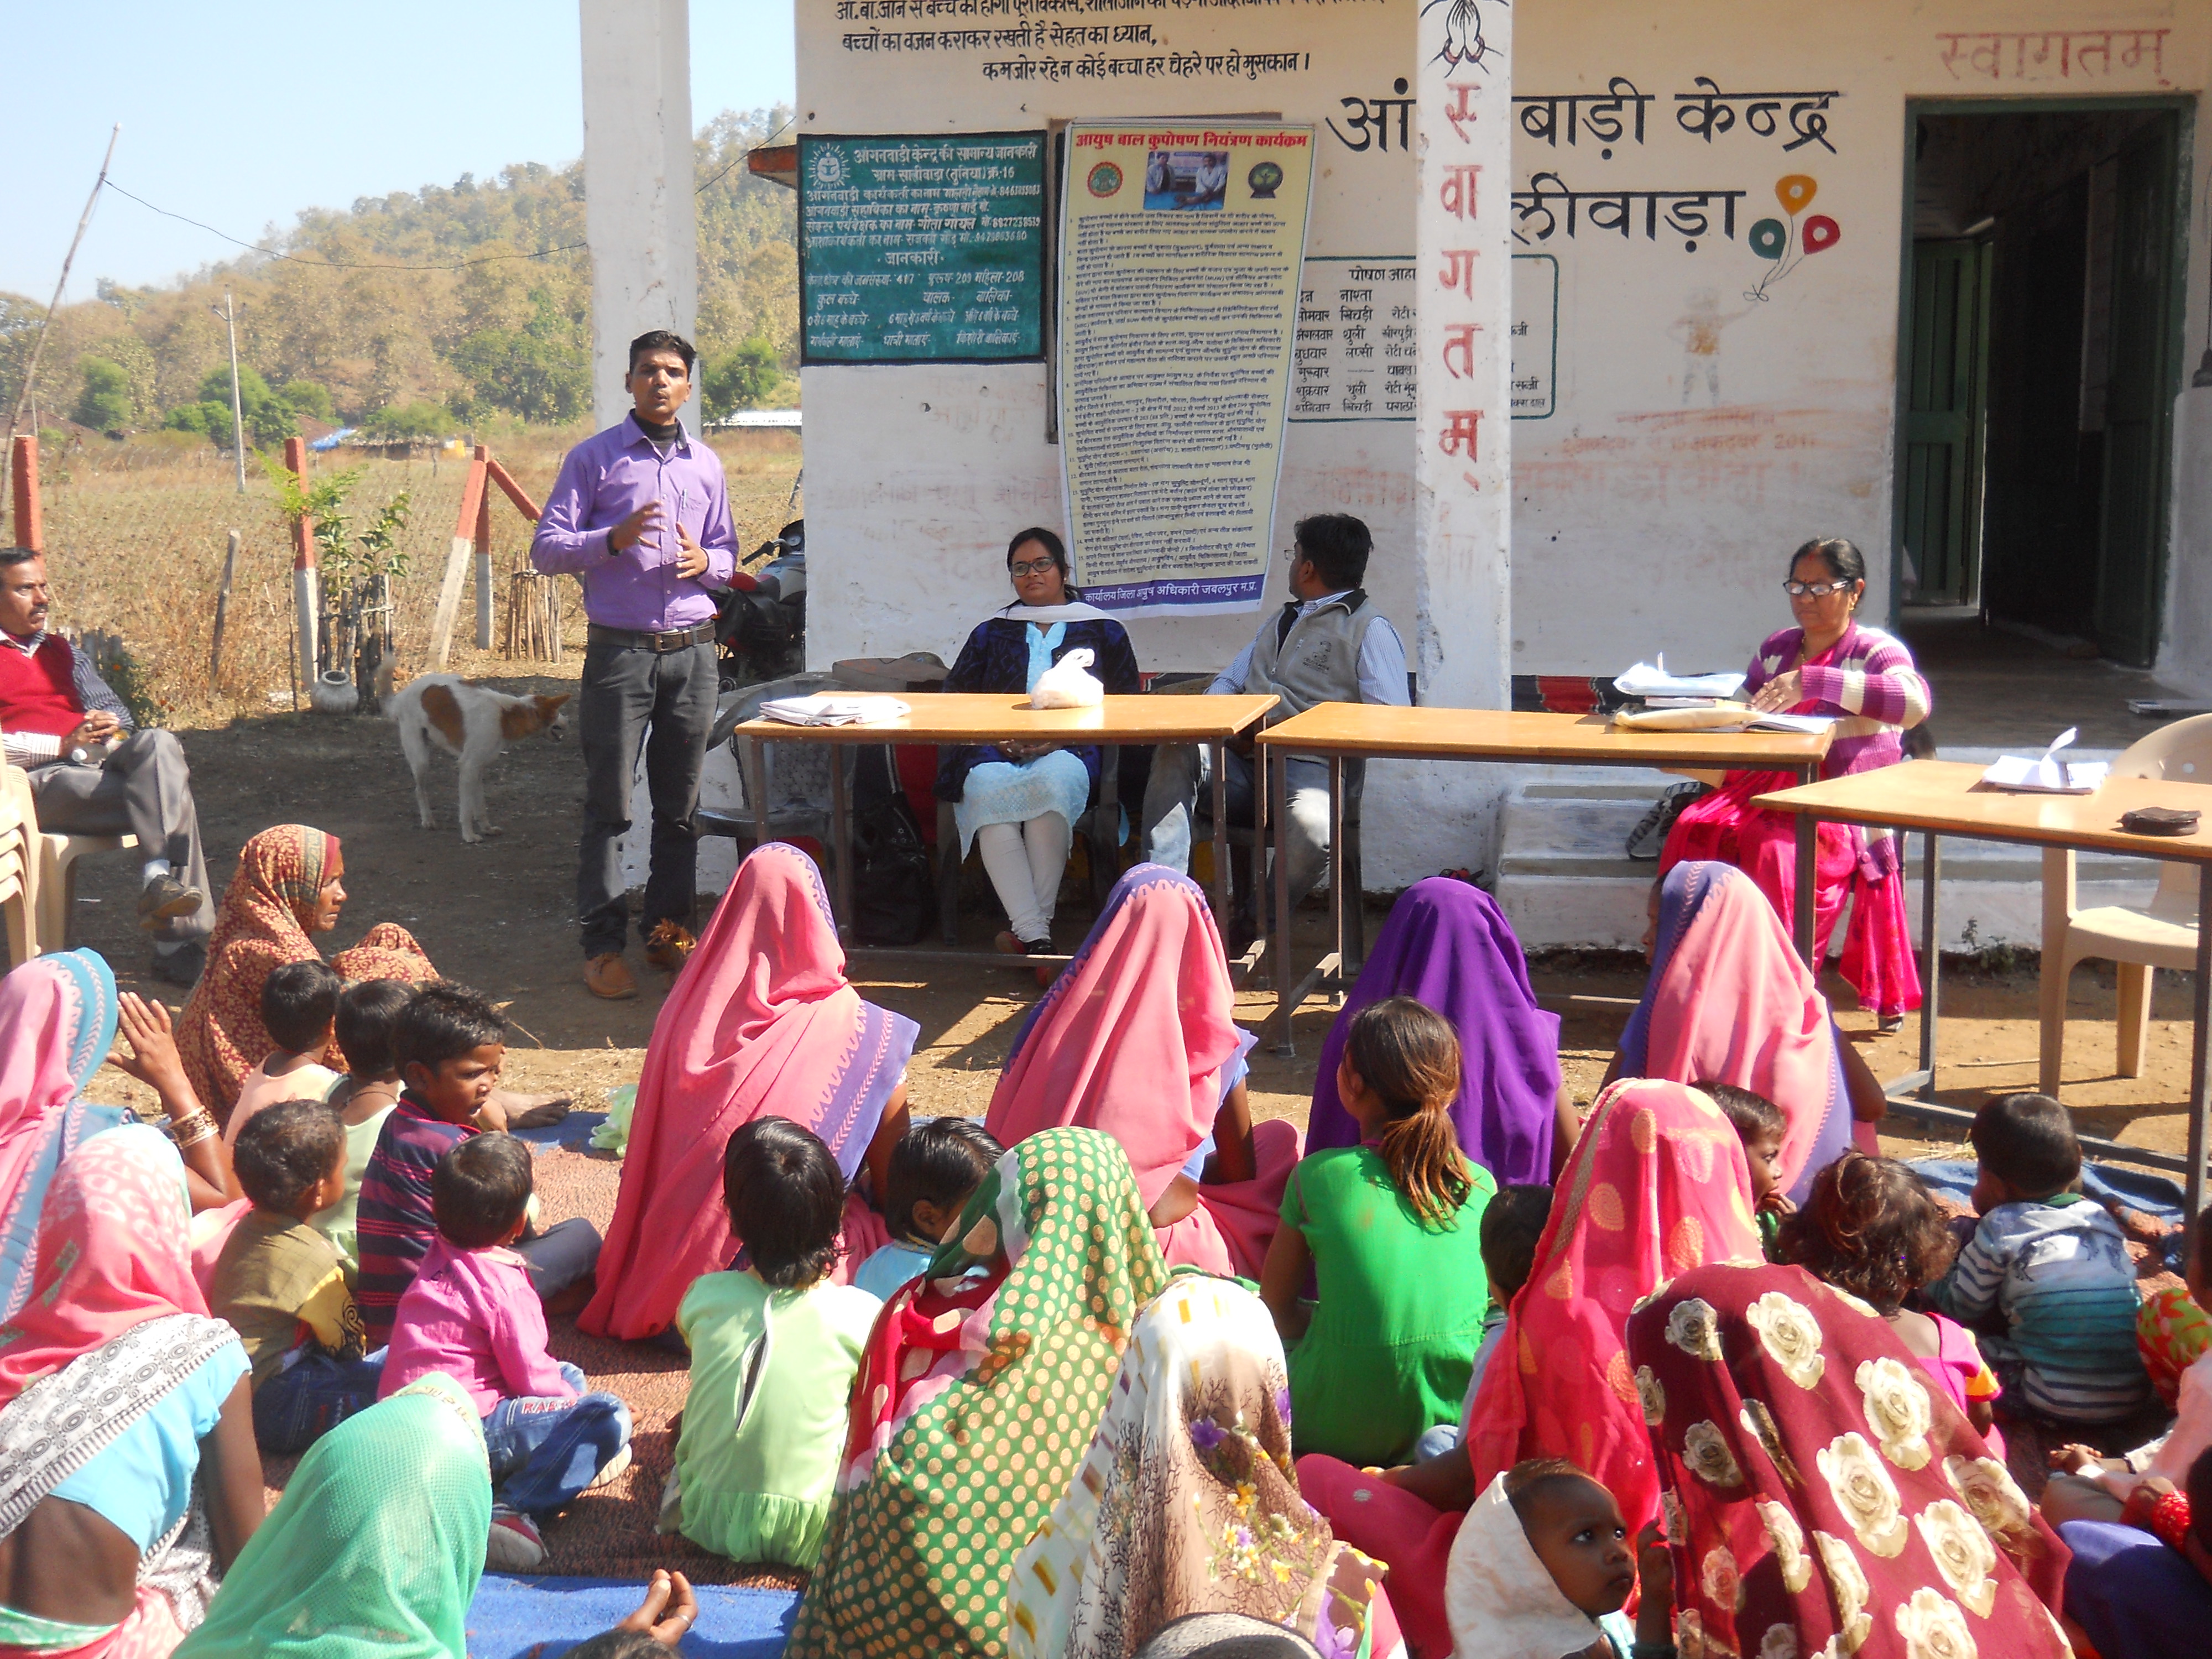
(534, 1618)
(572, 1131)
(2152, 1195)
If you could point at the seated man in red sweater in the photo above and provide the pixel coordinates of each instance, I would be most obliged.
(93, 774)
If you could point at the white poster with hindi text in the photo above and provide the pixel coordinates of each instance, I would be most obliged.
(1180, 253)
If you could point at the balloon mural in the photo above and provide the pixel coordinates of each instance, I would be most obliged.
(1787, 245)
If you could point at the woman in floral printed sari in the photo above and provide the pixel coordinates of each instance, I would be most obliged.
(1821, 1497)
(976, 1400)
(1187, 1503)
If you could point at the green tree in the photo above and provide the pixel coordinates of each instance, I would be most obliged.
(521, 373)
(745, 379)
(309, 398)
(419, 419)
(105, 403)
(269, 417)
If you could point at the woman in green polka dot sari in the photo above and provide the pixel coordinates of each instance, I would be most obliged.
(977, 1400)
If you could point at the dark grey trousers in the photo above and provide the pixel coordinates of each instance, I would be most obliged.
(663, 702)
(145, 790)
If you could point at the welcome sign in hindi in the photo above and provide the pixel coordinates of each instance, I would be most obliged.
(1178, 307)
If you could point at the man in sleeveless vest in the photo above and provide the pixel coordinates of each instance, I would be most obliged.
(1329, 644)
(93, 773)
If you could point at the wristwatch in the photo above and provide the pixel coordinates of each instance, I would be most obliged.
(81, 755)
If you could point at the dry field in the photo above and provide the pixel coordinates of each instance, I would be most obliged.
(136, 533)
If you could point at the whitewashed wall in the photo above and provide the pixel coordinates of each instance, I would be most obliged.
(1648, 519)
(1643, 519)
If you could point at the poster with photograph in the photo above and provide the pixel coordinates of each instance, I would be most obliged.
(1178, 310)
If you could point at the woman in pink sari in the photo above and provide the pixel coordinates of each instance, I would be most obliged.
(1829, 663)
(1135, 1038)
(1728, 1001)
(1656, 1186)
(760, 1022)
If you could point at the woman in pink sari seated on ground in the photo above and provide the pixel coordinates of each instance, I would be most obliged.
(1728, 1001)
(1829, 663)
(1135, 1038)
(760, 1022)
(1657, 1185)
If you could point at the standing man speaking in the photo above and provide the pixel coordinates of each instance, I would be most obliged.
(640, 515)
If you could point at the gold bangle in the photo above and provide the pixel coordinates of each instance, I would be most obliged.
(191, 1130)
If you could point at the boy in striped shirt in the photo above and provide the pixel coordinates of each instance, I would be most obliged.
(2046, 1274)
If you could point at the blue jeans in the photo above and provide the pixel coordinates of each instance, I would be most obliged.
(296, 1408)
(544, 1451)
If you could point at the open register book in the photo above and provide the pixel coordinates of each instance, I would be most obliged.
(2049, 773)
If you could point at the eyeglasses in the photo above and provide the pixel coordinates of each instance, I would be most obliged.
(1033, 567)
(1290, 556)
(1814, 590)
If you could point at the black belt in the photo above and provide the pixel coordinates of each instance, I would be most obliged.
(677, 639)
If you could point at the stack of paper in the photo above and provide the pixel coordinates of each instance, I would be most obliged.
(1651, 681)
(825, 710)
(2047, 775)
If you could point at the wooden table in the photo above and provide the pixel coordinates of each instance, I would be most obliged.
(1339, 732)
(1947, 797)
(964, 718)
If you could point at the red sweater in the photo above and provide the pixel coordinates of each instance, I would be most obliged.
(38, 693)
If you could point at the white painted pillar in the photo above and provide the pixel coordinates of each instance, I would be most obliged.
(639, 212)
(1463, 442)
(2184, 658)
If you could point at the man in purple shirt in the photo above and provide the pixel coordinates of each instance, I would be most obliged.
(641, 515)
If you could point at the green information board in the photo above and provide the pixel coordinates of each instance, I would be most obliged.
(921, 249)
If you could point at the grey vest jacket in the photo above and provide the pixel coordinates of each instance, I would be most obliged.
(1315, 659)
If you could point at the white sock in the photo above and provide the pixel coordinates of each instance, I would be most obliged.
(153, 870)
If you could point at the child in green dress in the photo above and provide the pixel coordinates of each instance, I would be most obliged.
(1390, 1231)
(775, 1347)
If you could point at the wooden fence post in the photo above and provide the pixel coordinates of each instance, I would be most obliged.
(30, 521)
(484, 556)
(306, 596)
(457, 564)
(222, 612)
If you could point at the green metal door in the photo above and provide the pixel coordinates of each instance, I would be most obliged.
(1943, 482)
(2139, 401)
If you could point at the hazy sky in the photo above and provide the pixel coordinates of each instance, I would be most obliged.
(240, 115)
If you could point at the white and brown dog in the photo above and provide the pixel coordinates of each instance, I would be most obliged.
(472, 723)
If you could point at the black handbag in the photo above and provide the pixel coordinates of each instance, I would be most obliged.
(894, 898)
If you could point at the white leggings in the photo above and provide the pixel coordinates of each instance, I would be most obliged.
(1025, 862)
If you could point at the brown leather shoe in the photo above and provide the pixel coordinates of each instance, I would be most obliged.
(609, 976)
(669, 944)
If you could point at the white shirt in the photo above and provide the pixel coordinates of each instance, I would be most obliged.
(1381, 659)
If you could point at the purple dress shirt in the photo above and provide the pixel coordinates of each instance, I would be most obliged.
(606, 478)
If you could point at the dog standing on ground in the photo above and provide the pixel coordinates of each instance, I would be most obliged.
(472, 723)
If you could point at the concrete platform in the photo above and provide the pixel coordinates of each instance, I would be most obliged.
(1565, 878)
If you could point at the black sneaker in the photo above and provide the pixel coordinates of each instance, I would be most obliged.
(166, 899)
(181, 966)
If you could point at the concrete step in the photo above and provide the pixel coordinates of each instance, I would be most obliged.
(1565, 880)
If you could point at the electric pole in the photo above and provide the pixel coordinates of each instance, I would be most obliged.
(229, 315)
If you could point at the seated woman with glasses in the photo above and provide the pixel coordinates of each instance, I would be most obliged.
(1018, 802)
(1829, 663)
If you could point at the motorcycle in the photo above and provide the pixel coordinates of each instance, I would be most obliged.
(760, 632)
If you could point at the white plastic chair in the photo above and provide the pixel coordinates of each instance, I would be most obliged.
(2163, 935)
(19, 871)
(57, 856)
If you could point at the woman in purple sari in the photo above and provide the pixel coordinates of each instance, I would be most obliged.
(1448, 945)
